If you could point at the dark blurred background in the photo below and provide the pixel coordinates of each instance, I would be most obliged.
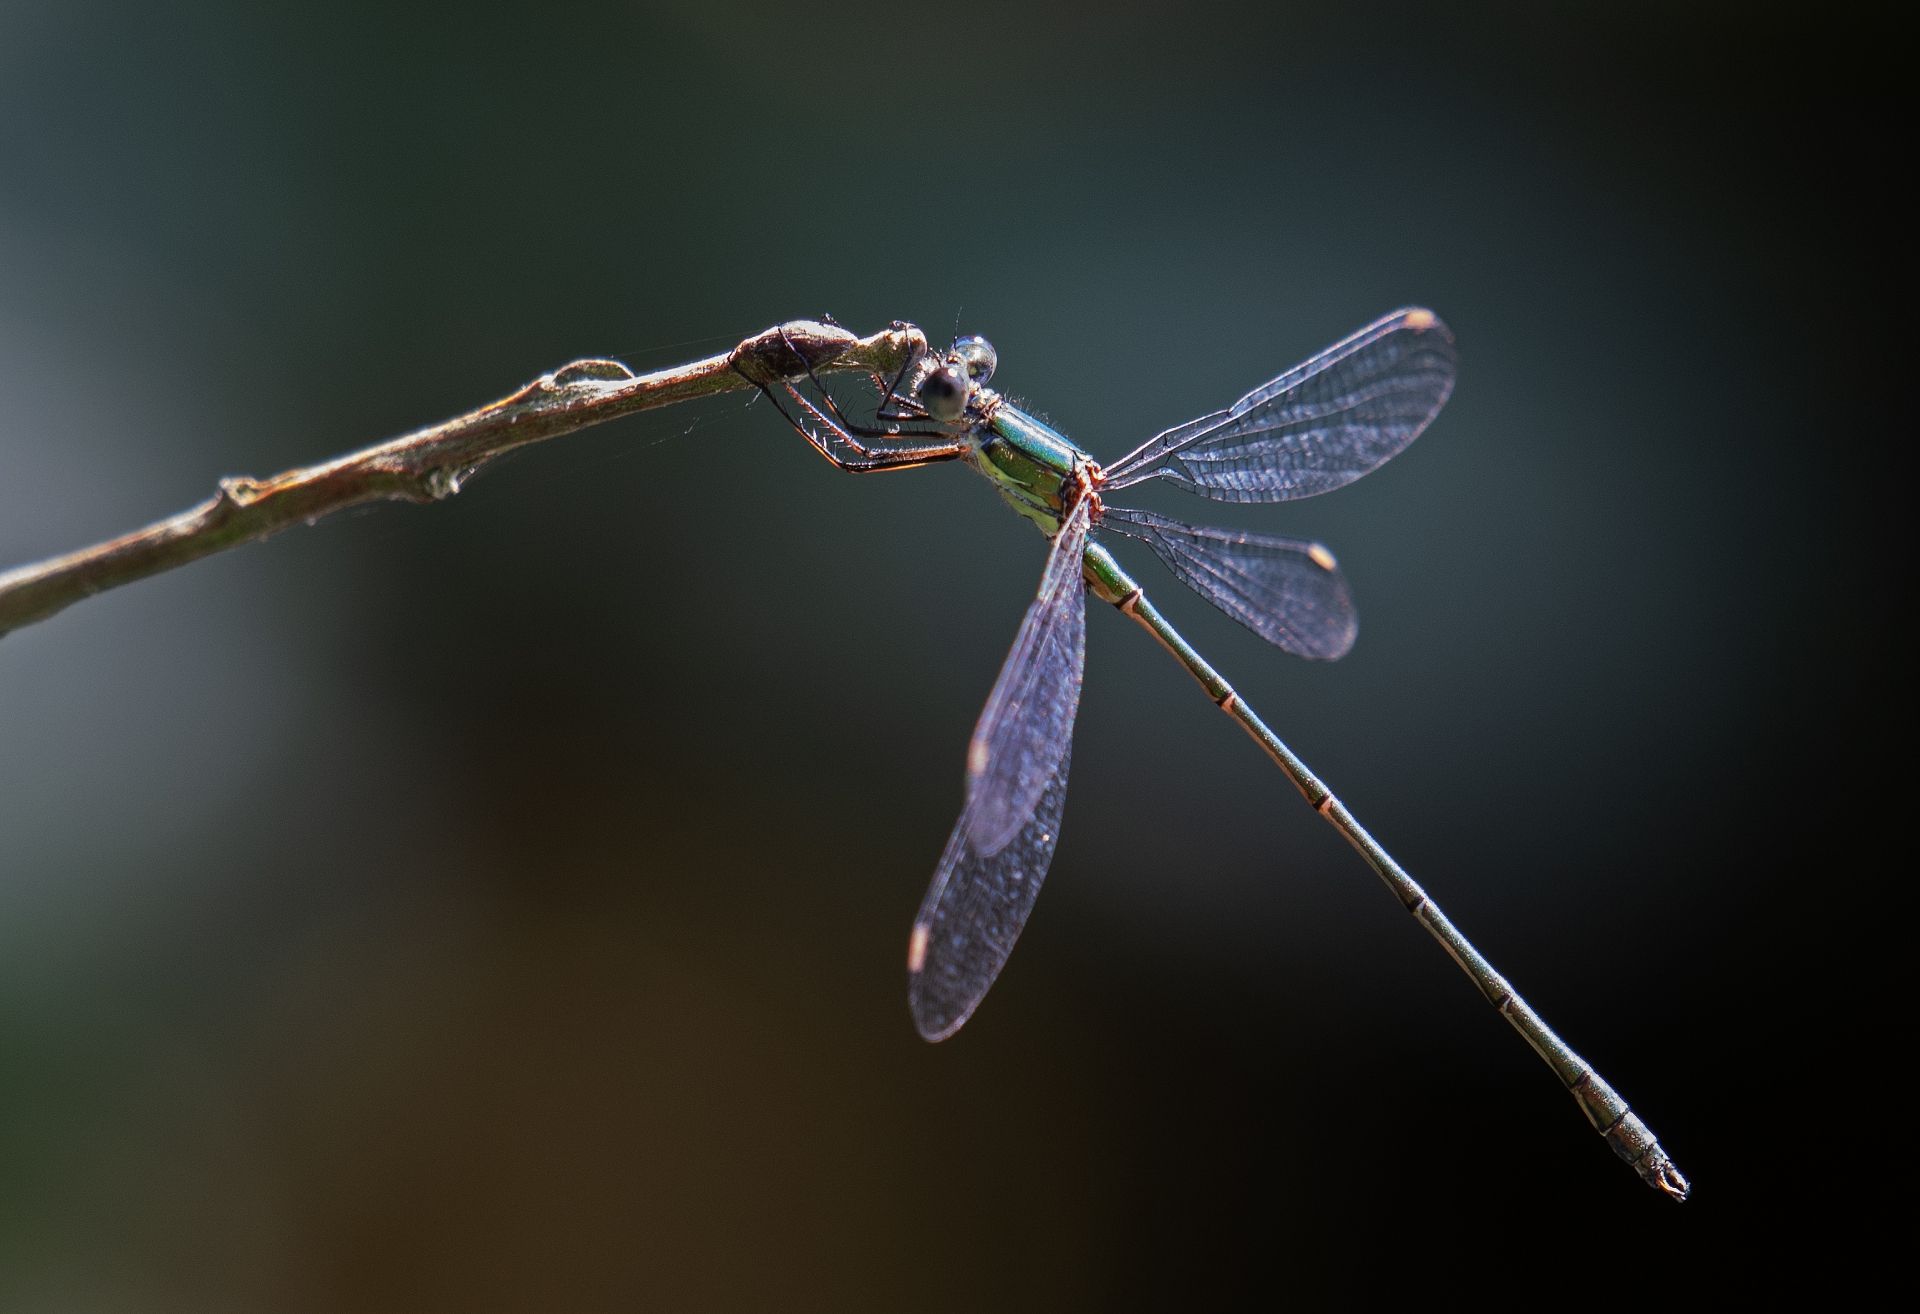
(503, 905)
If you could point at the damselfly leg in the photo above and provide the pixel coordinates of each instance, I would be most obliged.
(832, 429)
(852, 430)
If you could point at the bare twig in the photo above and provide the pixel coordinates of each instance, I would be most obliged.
(430, 464)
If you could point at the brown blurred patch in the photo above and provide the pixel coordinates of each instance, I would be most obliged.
(647, 1067)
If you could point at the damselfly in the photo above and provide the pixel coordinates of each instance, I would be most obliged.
(1317, 427)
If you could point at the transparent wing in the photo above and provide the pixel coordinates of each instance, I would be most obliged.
(1317, 427)
(973, 913)
(1286, 590)
(1027, 723)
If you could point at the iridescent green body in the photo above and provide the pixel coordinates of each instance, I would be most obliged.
(1031, 464)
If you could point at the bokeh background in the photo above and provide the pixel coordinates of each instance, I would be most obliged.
(502, 905)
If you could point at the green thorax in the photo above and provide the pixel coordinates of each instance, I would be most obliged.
(1029, 463)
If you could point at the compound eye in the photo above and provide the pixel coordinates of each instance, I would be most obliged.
(978, 355)
(945, 393)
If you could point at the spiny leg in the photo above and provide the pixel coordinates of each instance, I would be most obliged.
(893, 393)
(890, 392)
(908, 409)
(849, 429)
(871, 460)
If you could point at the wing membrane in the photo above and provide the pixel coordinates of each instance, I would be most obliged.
(974, 911)
(1286, 590)
(1317, 427)
(1027, 724)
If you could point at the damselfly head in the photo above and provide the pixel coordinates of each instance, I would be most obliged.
(978, 355)
(945, 391)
